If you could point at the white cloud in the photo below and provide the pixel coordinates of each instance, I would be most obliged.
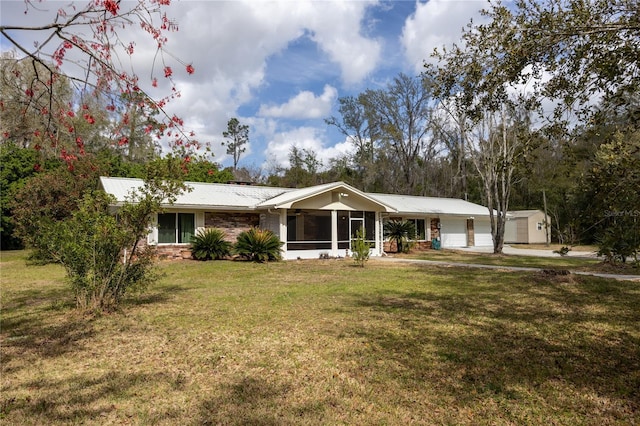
(336, 27)
(230, 43)
(304, 138)
(435, 24)
(304, 105)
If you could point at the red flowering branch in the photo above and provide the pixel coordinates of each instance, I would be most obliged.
(84, 46)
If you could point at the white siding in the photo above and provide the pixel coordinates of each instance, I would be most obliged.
(453, 232)
(482, 232)
(271, 222)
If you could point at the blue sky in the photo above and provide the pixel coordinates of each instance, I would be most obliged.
(280, 66)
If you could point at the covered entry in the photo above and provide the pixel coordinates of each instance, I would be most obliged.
(325, 221)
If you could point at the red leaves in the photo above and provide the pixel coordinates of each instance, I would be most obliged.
(111, 6)
(190, 69)
(167, 72)
(29, 93)
(123, 141)
(89, 118)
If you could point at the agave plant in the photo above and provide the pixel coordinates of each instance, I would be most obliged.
(210, 244)
(259, 245)
(400, 231)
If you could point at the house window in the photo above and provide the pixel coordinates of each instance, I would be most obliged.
(420, 228)
(176, 228)
(539, 226)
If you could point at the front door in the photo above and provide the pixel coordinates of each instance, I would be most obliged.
(356, 223)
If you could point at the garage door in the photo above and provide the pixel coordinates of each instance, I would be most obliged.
(453, 232)
(482, 228)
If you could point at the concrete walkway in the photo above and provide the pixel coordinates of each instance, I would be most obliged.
(507, 249)
(505, 268)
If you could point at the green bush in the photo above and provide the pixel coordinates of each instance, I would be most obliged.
(360, 248)
(210, 244)
(99, 252)
(259, 245)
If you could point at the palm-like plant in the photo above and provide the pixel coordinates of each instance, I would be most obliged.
(259, 245)
(210, 244)
(400, 231)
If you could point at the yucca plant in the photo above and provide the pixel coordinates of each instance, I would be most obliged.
(210, 244)
(259, 245)
(400, 231)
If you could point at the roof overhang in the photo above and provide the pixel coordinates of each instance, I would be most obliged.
(294, 198)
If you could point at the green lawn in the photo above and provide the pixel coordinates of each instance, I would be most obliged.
(322, 342)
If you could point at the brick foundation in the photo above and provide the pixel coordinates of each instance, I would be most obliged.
(390, 247)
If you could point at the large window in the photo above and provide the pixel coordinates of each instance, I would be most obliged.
(176, 228)
(420, 229)
(309, 230)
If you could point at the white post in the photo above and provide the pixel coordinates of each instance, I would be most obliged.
(334, 233)
(283, 231)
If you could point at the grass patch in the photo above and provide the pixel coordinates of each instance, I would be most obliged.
(565, 262)
(323, 342)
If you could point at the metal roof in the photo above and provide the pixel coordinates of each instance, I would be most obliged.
(410, 204)
(236, 197)
(202, 195)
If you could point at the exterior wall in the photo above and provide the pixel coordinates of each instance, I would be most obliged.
(536, 236)
(231, 223)
(483, 232)
(271, 221)
(454, 232)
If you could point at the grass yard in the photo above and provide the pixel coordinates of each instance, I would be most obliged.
(322, 342)
(560, 262)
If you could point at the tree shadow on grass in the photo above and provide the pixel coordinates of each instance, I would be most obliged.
(81, 398)
(581, 335)
(249, 401)
(45, 324)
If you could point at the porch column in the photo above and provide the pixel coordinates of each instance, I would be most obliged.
(283, 231)
(334, 232)
(378, 235)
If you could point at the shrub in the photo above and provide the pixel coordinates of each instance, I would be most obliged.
(210, 244)
(99, 253)
(400, 231)
(259, 245)
(360, 248)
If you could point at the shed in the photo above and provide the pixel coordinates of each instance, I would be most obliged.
(526, 227)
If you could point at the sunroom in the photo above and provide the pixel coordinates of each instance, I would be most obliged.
(324, 219)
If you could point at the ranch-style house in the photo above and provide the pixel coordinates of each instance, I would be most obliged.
(311, 222)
